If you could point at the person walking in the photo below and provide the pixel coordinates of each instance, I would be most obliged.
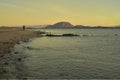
(23, 27)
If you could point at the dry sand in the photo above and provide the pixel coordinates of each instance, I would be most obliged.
(8, 38)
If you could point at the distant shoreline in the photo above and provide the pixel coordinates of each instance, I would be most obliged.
(8, 38)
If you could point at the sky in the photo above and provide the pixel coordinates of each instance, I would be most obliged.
(78, 12)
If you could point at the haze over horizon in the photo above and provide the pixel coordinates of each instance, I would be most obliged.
(83, 12)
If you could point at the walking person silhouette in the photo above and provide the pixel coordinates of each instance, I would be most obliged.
(23, 27)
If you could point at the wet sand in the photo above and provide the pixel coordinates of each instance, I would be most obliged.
(8, 38)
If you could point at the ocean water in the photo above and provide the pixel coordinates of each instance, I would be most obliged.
(93, 55)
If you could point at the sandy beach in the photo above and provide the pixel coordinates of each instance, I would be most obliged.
(8, 38)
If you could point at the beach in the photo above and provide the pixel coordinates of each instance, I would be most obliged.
(9, 36)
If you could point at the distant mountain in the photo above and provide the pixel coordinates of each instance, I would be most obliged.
(67, 25)
(61, 25)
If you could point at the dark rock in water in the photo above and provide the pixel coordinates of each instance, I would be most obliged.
(29, 47)
(24, 78)
(49, 34)
(16, 52)
(3, 71)
(70, 35)
(6, 63)
(26, 40)
(25, 57)
(19, 59)
(9, 51)
(116, 34)
(18, 42)
(52, 35)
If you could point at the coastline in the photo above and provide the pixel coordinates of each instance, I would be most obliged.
(8, 38)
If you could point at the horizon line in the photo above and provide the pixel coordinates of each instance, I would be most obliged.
(55, 23)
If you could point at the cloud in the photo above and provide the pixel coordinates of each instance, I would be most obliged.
(16, 6)
(8, 5)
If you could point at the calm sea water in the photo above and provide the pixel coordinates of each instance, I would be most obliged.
(96, 55)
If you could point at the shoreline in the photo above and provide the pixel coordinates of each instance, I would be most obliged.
(10, 37)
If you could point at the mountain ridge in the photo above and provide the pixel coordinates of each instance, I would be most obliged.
(68, 25)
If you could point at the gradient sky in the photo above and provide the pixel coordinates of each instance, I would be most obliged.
(84, 12)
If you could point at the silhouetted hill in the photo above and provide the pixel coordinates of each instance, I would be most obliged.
(61, 25)
(67, 25)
